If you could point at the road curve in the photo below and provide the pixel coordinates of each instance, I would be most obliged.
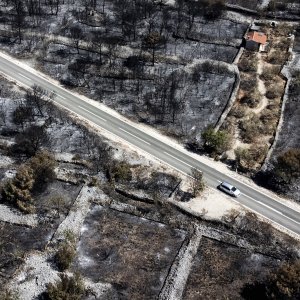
(178, 159)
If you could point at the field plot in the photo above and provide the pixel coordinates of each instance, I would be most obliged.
(141, 69)
(289, 135)
(134, 254)
(15, 242)
(188, 50)
(220, 271)
(168, 95)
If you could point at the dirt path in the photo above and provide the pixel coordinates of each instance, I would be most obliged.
(260, 86)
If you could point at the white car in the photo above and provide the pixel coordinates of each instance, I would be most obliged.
(229, 189)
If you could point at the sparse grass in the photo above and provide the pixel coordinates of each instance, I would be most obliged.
(67, 287)
(277, 57)
(274, 91)
(249, 84)
(269, 73)
(129, 247)
(238, 111)
(248, 62)
(66, 251)
(251, 99)
(249, 159)
(251, 129)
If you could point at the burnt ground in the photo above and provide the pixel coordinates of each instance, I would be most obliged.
(17, 241)
(289, 137)
(132, 253)
(220, 271)
(126, 248)
(289, 134)
(110, 63)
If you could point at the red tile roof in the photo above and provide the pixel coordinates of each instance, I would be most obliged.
(257, 37)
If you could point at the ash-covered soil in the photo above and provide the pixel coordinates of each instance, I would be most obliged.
(133, 254)
(16, 241)
(101, 49)
(221, 270)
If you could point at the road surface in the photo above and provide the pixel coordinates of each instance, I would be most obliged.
(181, 160)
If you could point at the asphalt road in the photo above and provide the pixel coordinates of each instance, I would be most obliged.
(180, 160)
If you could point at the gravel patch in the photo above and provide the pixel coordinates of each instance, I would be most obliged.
(13, 216)
(5, 161)
(74, 221)
(36, 273)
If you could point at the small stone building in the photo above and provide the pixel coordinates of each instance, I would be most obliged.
(256, 41)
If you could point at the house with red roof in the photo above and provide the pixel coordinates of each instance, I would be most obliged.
(256, 41)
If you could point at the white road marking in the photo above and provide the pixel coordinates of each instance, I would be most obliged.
(134, 136)
(269, 207)
(60, 96)
(254, 188)
(219, 181)
(250, 186)
(180, 160)
(92, 113)
(25, 77)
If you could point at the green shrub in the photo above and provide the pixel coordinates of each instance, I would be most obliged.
(238, 111)
(248, 63)
(249, 159)
(67, 288)
(273, 92)
(269, 73)
(17, 191)
(121, 171)
(251, 99)
(277, 57)
(251, 129)
(249, 84)
(65, 255)
(66, 251)
(197, 182)
(43, 165)
(216, 141)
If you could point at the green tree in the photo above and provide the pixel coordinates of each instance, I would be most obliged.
(121, 171)
(43, 165)
(216, 141)
(17, 191)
